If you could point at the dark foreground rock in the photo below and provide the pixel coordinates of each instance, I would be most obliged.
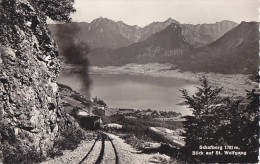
(31, 117)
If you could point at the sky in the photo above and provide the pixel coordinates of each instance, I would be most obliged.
(144, 12)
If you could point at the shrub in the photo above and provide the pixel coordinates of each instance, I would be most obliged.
(131, 139)
(18, 153)
(69, 139)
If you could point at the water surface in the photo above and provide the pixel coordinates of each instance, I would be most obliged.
(135, 91)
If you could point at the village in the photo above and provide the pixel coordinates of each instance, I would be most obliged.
(94, 114)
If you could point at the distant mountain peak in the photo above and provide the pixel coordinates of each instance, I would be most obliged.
(227, 21)
(101, 19)
(170, 20)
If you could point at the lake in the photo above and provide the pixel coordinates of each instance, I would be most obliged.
(135, 91)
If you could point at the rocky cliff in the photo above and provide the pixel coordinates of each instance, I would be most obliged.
(30, 111)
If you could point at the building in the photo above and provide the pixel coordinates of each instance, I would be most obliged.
(89, 121)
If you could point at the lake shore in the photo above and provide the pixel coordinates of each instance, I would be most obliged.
(234, 84)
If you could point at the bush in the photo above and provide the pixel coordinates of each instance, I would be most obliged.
(13, 150)
(69, 139)
(131, 139)
(17, 153)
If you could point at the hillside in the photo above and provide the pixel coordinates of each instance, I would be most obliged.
(235, 52)
(157, 48)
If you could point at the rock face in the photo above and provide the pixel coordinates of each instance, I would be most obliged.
(30, 112)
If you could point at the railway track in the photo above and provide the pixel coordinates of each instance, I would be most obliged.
(103, 151)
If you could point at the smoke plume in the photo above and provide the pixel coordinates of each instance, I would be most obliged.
(74, 51)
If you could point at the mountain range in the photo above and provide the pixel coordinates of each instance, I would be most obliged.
(106, 33)
(223, 47)
(235, 52)
(156, 48)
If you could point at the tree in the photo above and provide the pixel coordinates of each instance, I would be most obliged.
(221, 122)
(246, 126)
(239, 126)
(33, 12)
(202, 104)
(56, 10)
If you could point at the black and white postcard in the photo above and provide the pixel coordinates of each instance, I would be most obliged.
(129, 81)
